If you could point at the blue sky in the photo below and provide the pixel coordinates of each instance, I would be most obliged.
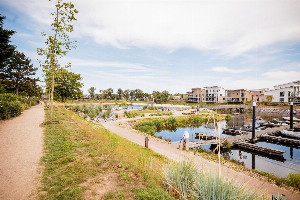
(168, 44)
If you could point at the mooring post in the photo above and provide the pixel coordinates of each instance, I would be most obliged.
(291, 116)
(253, 121)
(146, 142)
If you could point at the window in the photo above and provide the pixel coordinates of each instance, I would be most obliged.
(282, 94)
(281, 99)
(237, 94)
(242, 94)
(229, 94)
(220, 95)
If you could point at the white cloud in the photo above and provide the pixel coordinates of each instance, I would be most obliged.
(225, 69)
(230, 27)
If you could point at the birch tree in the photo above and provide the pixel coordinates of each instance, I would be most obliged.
(57, 44)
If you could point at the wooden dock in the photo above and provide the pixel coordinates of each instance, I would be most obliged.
(259, 149)
(281, 140)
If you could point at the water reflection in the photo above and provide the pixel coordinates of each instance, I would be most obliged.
(278, 165)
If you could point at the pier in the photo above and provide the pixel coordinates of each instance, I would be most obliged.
(259, 149)
(244, 141)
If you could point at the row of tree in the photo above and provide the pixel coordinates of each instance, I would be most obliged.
(156, 96)
(16, 71)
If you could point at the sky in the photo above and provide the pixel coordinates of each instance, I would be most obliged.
(169, 45)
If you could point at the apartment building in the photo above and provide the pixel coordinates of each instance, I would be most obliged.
(214, 94)
(284, 93)
(258, 95)
(238, 96)
(197, 95)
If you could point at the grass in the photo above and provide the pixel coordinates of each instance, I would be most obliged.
(185, 180)
(151, 125)
(77, 151)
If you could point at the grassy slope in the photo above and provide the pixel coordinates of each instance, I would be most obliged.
(80, 158)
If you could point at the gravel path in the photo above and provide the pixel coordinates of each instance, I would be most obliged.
(172, 152)
(21, 146)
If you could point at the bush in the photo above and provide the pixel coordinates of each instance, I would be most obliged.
(293, 180)
(185, 180)
(9, 109)
(11, 105)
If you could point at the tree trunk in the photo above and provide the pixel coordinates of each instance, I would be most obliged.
(51, 102)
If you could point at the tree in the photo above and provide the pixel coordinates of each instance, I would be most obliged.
(109, 92)
(120, 93)
(139, 93)
(6, 49)
(57, 44)
(164, 96)
(156, 95)
(18, 72)
(67, 85)
(126, 94)
(92, 92)
(103, 94)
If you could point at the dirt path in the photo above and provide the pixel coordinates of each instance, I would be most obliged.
(175, 154)
(21, 145)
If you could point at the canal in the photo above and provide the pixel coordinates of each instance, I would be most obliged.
(279, 166)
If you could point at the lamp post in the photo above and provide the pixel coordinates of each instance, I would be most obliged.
(291, 115)
(253, 121)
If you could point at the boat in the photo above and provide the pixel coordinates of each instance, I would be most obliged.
(290, 133)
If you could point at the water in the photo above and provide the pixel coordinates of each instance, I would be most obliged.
(129, 107)
(176, 134)
(279, 166)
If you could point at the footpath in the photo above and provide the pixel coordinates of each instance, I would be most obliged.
(175, 154)
(21, 146)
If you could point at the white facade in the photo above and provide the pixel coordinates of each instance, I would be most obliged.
(215, 94)
(285, 93)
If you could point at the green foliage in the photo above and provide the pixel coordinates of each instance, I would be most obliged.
(150, 107)
(67, 85)
(186, 181)
(17, 75)
(6, 49)
(171, 122)
(92, 92)
(293, 180)
(151, 125)
(227, 144)
(107, 113)
(11, 105)
(161, 114)
(130, 114)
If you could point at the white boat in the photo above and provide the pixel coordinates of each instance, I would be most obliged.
(290, 133)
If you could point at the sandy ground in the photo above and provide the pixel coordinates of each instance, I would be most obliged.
(172, 152)
(21, 146)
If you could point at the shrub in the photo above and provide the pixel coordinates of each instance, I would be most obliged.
(171, 122)
(185, 180)
(293, 180)
(9, 109)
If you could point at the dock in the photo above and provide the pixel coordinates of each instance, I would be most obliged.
(243, 141)
(259, 149)
(281, 140)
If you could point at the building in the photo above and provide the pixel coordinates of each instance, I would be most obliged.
(284, 93)
(258, 95)
(197, 95)
(214, 94)
(238, 96)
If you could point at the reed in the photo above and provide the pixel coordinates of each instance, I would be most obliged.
(186, 181)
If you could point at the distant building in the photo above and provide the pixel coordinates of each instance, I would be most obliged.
(284, 93)
(258, 95)
(215, 94)
(197, 95)
(238, 96)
